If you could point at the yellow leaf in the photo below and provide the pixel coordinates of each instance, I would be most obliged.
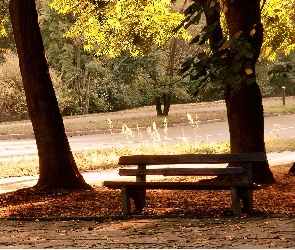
(248, 71)
(252, 32)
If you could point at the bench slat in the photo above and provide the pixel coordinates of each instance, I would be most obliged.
(181, 185)
(192, 158)
(182, 171)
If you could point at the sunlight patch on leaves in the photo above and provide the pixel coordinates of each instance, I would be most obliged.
(111, 27)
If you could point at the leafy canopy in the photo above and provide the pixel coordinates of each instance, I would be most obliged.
(216, 65)
(2, 27)
(3, 19)
(279, 28)
(111, 26)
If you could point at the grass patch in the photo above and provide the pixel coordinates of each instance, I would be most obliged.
(287, 109)
(279, 144)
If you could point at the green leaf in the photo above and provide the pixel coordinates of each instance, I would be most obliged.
(249, 54)
(195, 40)
(202, 55)
(251, 80)
(209, 29)
(197, 18)
(237, 67)
(192, 9)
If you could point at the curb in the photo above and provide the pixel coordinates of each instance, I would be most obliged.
(140, 217)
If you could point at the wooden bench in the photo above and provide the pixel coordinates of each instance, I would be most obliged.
(240, 184)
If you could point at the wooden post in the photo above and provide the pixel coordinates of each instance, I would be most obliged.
(141, 178)
(284, 94)
(125, 198)
(247, 195)
(235, 199)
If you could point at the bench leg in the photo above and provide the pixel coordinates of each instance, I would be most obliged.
(247, 199)
(125, 198)
(235, 199)
(138, 195)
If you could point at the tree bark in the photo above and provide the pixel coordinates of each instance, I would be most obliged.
(292, 169)
(158, 106)
(244, 107)
(167, 103)
(57, 167)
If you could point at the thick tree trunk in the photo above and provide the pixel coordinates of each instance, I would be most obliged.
(166, 105)
(244, 107)
(57, 168)
(292, 169)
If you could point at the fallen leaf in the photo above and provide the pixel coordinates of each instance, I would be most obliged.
(229, 238)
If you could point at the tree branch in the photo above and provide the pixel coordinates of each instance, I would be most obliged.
(212, 18)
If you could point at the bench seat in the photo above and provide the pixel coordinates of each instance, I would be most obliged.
(182, 185)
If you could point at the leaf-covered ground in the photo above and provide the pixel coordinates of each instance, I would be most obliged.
(277, 198)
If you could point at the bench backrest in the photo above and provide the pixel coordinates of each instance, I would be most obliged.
(192, 158)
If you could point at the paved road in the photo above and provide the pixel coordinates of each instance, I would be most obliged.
(214, 131)
(253, 232)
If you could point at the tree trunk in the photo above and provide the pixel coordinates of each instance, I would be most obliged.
(57, 168)
(158, 106)
(244, 107)
(292, 169)
(87, 94)
(167, 103)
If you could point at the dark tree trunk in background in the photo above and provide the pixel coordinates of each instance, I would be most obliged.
(166, 104)
(244, 107)
(57, 168)
(159, 106)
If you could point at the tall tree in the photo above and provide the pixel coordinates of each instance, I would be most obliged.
(57, 168)
(135, 29)
(232, 62)
(166, 97)
(244, 106)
